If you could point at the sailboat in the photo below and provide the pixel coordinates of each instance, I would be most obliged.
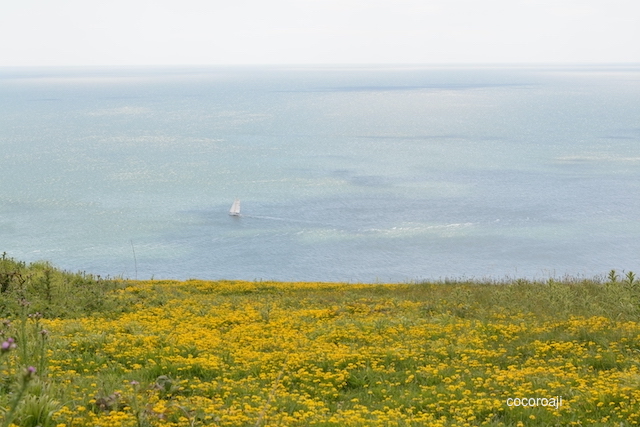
(235, 208)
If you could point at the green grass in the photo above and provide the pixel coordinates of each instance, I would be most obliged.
(108, 352)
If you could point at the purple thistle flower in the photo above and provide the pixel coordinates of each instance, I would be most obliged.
(8, 345)
(29, 373)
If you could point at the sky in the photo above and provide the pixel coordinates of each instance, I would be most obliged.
(239, 32)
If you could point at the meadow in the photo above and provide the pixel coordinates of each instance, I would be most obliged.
(79, 350)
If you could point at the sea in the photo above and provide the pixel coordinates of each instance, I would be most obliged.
(345, 173)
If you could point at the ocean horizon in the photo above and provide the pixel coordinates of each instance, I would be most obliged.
(349, 174)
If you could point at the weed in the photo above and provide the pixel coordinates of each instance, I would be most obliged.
(294, 354)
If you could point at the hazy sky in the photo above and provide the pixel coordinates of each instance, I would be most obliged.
(202, 32)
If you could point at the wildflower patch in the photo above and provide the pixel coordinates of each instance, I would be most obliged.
(301, 354)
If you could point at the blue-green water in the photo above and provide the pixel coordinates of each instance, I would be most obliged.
(361, 174)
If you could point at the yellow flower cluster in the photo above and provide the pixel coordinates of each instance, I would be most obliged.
(304, 354)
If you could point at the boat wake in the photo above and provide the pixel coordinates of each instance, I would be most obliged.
(273, 218)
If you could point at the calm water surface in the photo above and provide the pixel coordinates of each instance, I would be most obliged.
(345, 174)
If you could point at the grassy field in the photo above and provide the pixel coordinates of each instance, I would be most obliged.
(79, 350)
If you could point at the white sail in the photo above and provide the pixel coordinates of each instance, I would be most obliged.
(235, 208)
